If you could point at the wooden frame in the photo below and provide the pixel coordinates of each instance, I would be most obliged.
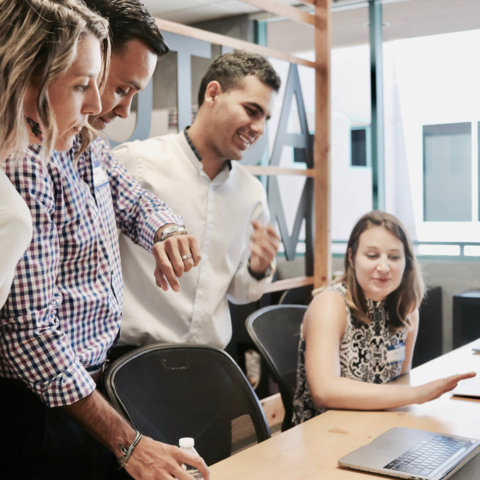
(320, 20)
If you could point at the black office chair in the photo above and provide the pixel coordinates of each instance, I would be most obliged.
(297, 296)
(275, 330)
(173, 391)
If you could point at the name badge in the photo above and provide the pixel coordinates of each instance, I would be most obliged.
(396, 353)
(100, 178)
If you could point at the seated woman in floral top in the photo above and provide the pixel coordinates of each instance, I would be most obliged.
(359, 334)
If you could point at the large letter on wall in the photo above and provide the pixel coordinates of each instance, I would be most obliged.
(302, 144)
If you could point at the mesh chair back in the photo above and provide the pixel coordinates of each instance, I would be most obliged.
(297, 296)
(174, 391)
(275, 330)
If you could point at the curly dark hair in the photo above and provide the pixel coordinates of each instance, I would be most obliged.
(229, 70)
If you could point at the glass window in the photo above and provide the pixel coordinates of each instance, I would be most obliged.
(359, 145)
(447, 167)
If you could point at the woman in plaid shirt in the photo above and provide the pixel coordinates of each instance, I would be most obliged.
(65, 306)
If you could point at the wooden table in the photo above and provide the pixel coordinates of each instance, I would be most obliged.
(310, 451)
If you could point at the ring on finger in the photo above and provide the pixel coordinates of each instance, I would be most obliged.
(186, 256)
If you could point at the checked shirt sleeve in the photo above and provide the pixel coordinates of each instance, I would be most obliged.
(139, 213)
(33, 347)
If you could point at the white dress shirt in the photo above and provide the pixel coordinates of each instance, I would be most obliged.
(219, 213)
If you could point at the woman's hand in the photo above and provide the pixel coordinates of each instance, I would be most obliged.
(436, 388)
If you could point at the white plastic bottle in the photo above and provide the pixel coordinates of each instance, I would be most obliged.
(188, 443)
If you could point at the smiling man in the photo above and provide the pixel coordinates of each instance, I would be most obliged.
(197, 173)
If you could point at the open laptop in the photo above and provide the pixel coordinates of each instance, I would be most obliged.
(417, 454)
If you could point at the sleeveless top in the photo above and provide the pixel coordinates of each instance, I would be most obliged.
(368, 353)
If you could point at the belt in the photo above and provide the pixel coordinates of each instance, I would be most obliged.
(97, 373)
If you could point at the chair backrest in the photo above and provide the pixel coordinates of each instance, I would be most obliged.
(275, 330)
(297, 296)
(173, 391)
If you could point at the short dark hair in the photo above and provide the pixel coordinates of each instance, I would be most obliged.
(129, 20)
(229, 70)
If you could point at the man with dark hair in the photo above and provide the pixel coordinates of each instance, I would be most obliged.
(224, 205)
(65, 307)
(136, 45)
(129, 20)
(230, 69)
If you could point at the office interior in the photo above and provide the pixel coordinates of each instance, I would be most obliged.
(379, 108)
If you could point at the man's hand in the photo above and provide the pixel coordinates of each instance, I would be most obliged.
(174, 256)
(160, 461)
(150, 459)
(263, 247)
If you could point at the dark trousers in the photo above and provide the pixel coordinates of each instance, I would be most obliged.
(41, 443)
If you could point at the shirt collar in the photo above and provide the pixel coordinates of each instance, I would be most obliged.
(195, 151)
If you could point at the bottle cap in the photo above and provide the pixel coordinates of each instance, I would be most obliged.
(186, 442)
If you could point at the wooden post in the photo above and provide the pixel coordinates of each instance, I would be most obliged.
(321, 150)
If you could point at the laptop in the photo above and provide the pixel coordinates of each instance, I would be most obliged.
(471, 386)
(417, 454)
(468, 388)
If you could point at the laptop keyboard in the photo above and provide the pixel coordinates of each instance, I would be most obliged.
(428, 455)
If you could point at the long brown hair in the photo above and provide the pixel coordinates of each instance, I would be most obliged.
(408, 296)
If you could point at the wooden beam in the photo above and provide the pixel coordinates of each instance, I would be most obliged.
(265, 170)
(283, 10)
(234, 43)
(288, 283)
(321, 254)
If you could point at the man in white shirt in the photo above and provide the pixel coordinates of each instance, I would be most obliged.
(223, 204)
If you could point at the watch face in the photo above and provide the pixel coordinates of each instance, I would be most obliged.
(170, 229)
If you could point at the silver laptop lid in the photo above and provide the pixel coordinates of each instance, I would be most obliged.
(383, 450)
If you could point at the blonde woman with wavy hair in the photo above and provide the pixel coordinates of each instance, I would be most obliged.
(359, 333)
(38, 43)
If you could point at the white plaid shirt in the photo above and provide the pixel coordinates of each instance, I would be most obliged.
(65, 305)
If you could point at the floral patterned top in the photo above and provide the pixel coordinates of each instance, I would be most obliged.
(369, 353)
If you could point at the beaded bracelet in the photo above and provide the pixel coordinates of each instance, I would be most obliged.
(127, 452)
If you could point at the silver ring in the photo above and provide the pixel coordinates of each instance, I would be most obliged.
(186, 257)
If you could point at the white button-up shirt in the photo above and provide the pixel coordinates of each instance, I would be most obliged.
(219, 213)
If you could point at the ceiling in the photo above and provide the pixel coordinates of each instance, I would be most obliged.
(194, 11)
(349, 26)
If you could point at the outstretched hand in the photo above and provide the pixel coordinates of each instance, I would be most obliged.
(436, 388)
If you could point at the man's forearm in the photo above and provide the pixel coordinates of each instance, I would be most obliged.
(150, 459)
(102, 421)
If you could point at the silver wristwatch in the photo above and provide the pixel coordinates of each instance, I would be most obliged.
(171, 230)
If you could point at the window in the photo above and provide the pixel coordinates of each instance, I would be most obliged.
(359, 141)
(447, 168)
